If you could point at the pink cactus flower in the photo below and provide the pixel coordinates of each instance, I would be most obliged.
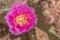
(49, 19)
(21, 18)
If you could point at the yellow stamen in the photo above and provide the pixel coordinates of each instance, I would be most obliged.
(21, 19)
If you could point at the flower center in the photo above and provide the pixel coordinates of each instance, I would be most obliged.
(21, 19)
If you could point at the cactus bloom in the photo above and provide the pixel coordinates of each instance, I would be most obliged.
(21, 18)
(49, 19)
